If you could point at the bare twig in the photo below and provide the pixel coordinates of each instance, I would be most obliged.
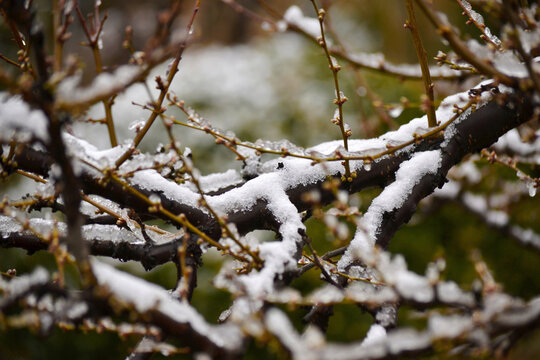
(340, 98)
(412, 25)
(173, 68)
(93, 33)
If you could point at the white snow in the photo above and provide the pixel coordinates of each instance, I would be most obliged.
(450, 190)
(506, 62)
(526, 236)
(479, 19)
(148, 297)
(219, 181)
(294, 16)
(512, 142)
(378, 61)
(450, 293)
(278, 324)
(20, 122)
(530, 39)
(376, 334)
(449, 326)
(69, 91)
(20, 284)
(392, 197)
(326, 295)
(478, 204)
(95, 232)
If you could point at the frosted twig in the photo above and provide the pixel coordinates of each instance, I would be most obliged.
(478, 21)
(61, 20)
(514, 35)
(531, 182)
(460, 48)
(230, 142)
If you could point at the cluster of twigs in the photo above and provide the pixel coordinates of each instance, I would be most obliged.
(106, 198)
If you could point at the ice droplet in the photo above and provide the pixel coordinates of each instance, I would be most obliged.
(531, 186)
(155, 199)
(136, 125)
(395, 112)
(367, 165)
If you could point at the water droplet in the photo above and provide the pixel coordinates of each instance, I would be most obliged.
(361, 91)
(266, 26)
(532, 188)
(396, 112)
(155, 199)
(367, 165)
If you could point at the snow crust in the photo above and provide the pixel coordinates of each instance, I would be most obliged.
(506, 62)
(95, 232)
(418, 126)
(215, 182)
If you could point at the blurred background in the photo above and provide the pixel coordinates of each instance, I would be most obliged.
(242, 75)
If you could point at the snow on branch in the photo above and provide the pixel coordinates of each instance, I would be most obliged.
(295, 20)
(441, 328)
(393, 196)
(19, 287)
(155, 302)
(19, 122)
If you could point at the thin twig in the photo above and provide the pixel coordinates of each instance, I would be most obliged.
(195, 180)
(340, 98)
(376, 102)
(9, 61)
(337, 156)
(480, 26)
(518, 45)
(460, 48)
(412, 25)
(93, 35)
(163, 93)
(341, 53)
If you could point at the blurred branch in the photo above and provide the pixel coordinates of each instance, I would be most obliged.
(164, 88)
(460, 48)
(412, 25)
